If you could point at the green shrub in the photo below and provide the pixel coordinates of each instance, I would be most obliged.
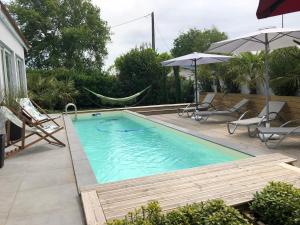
(142, 216)
(50, 92)
(213, 212)
(285, 71)
(278, 203)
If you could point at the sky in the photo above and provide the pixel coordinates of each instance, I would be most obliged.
(172, 17)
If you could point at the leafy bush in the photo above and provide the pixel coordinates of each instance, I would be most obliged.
(285, 71)
(53, 89)
(278, 203)
(139, 68)
(49, 91)
(213, 212)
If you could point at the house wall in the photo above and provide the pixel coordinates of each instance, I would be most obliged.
(12, 43)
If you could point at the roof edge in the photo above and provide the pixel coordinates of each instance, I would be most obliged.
(14, 24)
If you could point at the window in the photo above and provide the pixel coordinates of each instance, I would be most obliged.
(21, 75)
(2, 83)
(12, 73)
(8, 75)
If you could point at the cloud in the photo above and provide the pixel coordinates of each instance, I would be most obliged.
(172, 17)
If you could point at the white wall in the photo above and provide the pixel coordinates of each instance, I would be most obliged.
(11, 41)
(9, 36)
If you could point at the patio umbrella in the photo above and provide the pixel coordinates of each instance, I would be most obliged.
(268, 8)
(266, 39)
(195, 59)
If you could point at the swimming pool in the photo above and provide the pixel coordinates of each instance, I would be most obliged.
(121, 145)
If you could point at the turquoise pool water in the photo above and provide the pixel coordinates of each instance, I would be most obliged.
(121, 146)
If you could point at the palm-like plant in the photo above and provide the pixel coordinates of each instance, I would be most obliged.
(50, 92)
(248, 69)
(285, 71)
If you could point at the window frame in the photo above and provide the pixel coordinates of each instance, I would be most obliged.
(12, 80)
(21, 74)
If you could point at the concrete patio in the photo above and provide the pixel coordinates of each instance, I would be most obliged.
(38, 186)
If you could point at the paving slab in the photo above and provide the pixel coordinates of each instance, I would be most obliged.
(38, 186)
(45, 199)
(58, 217)
(43, 179)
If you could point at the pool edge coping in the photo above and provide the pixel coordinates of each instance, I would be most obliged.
(84, 174)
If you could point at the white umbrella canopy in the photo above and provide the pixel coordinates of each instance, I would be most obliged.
(265, 39)
(195, 59)
(275, 37)
(199, 58)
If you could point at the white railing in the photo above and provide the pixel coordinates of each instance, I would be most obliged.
(74, 106)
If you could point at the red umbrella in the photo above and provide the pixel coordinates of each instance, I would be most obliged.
(268, 8)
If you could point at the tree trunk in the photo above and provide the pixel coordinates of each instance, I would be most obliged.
(164, 89)
(177, 84)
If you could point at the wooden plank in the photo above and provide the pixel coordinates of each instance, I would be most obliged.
(234, 182)
(197, 170)
(204, 190)
(92, 209)
(225, 192)
(186, 182)
(290, 167)
(195, 182)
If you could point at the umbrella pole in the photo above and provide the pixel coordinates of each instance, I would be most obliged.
(196, 85)
(267, 78)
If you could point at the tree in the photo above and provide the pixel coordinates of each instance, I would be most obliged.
(139, 68)
(196, 40)
(62, 33)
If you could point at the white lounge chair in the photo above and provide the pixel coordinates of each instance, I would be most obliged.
(274, 136)
(43, 132)
(205, 104)
(236, 109)
(32, 110)
(274, 109)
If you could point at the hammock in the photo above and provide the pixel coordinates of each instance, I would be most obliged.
(118, 101)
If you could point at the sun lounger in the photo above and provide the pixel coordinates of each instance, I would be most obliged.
(32, 110)
(205, 104)
(236, 109)
(274, 109)
(274, 136)
(43, 132)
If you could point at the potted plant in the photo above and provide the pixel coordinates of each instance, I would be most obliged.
(13, 132)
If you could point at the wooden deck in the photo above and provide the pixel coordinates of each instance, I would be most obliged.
(234, 182)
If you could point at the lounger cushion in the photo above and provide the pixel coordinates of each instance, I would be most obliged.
(247, 122)
(189, 109)
(2, 121)
(209, 113)
(278, 130)
(27, 105)
(9, 115)
(274, 106)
